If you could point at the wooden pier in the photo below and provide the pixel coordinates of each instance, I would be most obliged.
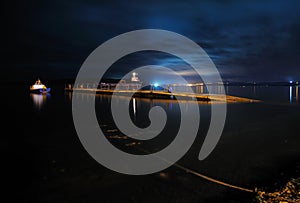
(154, 94)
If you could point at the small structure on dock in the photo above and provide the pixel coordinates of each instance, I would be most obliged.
(133, 84)
(134, 77)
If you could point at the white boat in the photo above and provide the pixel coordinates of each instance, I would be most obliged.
(39, 87)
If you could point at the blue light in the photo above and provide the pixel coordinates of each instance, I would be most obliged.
(291, 81)
(155, 84)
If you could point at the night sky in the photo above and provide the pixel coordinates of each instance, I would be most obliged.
(247, 40)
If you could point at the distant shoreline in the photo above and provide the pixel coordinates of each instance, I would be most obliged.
(65, 81)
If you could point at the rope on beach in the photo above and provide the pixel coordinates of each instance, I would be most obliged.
(212, 179)
(203, 176)
(196, 173)
(291, 193)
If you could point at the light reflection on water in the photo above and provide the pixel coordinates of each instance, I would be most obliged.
(274, 94)
(138, 107)
(134, 106)
(297, 94)
(39, 99)
(291, 94)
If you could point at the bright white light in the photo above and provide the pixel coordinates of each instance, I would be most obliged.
(291, 81)
(155, 84)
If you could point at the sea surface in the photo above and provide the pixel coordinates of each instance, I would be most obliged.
(44, 160)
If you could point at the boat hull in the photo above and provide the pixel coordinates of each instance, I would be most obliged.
(41, 90)
(44, 91)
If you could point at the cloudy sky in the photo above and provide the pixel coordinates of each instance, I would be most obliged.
(251, 40)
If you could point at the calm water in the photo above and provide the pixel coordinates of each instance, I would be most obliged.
(46, 162)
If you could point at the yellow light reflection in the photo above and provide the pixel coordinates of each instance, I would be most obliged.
(39, 99)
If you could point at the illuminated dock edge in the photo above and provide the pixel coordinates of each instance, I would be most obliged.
(153, 94)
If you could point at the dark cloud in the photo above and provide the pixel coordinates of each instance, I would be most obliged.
(247, 40)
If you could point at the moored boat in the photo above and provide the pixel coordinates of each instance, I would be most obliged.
(39, 87)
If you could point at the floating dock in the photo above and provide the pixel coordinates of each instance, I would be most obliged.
(154, 94)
